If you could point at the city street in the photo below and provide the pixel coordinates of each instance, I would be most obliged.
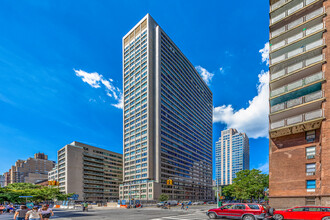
(194, 213)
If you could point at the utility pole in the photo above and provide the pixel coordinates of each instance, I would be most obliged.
(218, 192)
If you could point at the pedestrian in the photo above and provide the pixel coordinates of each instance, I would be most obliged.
(46, 212)
(82, 206)
(11, 208)
(21, 213)
(2, 209)
(86, 206)
(187, 207)
(182, 205)
(33, 214)
(7, 208)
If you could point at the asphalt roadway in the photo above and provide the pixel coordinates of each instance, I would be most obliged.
(148, 213)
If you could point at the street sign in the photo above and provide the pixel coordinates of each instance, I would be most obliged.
(74, 197)
(30, 205)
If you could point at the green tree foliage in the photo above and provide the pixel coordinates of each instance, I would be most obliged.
(163, 197)
(248, 185)
(12, 192)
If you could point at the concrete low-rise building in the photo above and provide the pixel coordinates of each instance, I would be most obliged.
(91, 172)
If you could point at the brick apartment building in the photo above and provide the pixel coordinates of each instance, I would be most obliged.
(31, 170)
(299, 111)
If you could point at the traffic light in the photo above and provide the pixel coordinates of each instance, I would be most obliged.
(169, 182)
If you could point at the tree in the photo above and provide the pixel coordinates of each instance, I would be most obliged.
(163, 197)
(12, 192)
(248, 184)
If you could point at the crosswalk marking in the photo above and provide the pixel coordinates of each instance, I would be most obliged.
(193, 216)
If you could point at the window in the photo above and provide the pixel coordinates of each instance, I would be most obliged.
(298, 209)
(310, 152)
(310, 136)
(313, 209)
(310, 185)
(253, 206)
(228, 207)
(240, 206)
(310, 169)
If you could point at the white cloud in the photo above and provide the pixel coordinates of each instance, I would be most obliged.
(265, 53)
(264, 167)
(252, 120)
(120, 103)
(95, 80)
(206, 75)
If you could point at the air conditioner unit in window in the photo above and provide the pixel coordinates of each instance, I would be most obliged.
(310, 173)
(310, 156)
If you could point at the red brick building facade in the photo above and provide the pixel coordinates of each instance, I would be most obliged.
(299, 148)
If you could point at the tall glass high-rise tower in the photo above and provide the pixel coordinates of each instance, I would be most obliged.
(232, 154)
(167, 119)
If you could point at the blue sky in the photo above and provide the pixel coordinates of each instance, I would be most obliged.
(47, 49)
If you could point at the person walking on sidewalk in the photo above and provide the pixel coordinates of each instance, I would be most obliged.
(33, 214)
(46, 212)
(85, 207)
(20, 213)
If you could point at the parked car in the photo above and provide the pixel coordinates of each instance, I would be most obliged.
(160, 204)
(244, 211)
(211, 202)
(304, 212)
(172, 202)
(198, 203)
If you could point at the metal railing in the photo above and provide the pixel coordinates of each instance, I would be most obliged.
(289, 11)
(297, 22)
(297, 66)
(298, 119)
(297, 51)
(298, 101)
(297, 84)
(298, 36)
(93, 177)
(93, 164)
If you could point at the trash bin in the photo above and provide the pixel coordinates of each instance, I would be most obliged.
(219, 203)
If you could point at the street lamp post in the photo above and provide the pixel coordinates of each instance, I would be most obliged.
(218, 192)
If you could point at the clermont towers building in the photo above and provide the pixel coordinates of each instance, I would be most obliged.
(167, 119)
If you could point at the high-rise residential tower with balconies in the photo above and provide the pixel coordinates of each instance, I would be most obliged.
(232, 154)
(167, 119)
(299, 133)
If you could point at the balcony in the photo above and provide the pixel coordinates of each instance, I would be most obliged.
(93, 164)
(93, 160)
(296, 124)
(93, 177)
(303, 22)
(95, 182)
(305, 33)
(297, 85)
(92, 168)
(289, 9)
(308, 65)
(303, 49)
(94, 173)
(296, 102)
